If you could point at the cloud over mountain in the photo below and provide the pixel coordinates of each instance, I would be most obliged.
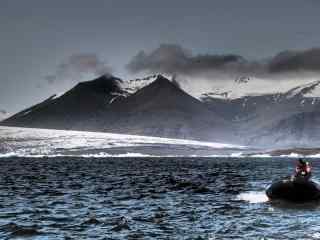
(174, 59)
(77, 65)
(288, 61)
(3, 114)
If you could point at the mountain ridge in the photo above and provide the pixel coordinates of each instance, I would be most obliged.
(159, 107)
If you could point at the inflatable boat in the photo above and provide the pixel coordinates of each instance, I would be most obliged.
(296, 190)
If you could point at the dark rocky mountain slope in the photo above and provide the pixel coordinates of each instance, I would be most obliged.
(85, 101)
(159, 109)
(163, 109)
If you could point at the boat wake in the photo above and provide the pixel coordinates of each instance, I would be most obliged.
(253, 197)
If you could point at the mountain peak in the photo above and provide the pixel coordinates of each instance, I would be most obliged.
(133, 85)
(161, 92)
(163, 81)
(161, 78)
(104, 83)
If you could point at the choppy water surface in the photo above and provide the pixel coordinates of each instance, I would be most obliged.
(157, 198)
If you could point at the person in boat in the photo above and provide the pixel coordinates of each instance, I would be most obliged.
(303, 170)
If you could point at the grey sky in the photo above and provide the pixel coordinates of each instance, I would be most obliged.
(37, 36)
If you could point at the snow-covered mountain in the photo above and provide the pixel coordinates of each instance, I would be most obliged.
(281, 118)
(298, 99)
(295, 118)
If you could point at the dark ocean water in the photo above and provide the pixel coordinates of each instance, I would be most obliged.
(149, 198)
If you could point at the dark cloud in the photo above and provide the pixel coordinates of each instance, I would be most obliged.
(288, 61)
(3, 111)
(78, 65)
(174, 59)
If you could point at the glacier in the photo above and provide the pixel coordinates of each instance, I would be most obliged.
(30, 142)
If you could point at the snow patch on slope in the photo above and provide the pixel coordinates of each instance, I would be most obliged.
(258, 87)
(241, 88)
(133, 85)
(311, 89)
